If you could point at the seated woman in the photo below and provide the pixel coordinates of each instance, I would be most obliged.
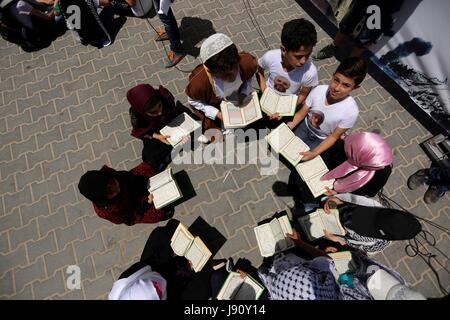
(161, 275)
(290, 277)
(224, 73)
(150, 111)
(365, 172)
(122, 196)
(369, 226)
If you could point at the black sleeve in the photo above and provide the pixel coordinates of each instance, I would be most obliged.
(376, 183)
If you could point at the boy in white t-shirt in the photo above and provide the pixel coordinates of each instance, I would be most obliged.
(329, 109)
(290, 69)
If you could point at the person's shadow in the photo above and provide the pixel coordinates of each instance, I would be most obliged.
(193, 30)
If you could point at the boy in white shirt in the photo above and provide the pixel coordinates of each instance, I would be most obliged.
(329, 109)
(290, 69)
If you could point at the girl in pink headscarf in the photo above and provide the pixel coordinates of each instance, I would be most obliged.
(368, 165)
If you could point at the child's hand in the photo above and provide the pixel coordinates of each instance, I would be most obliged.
(243, 274)
(329, 192)
(275, 116)
(308, 155)
(330, 250)
(294, 235)
(161, 138)
(150, 198)
(291, 125)
(185, 139)
(333, 237)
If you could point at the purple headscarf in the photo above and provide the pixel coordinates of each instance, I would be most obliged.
(365, 151)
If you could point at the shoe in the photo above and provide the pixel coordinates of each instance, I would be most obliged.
(433, 194)
(417, 179)
(173, 59)
(325, 53)
(161, 35)
(229, 266)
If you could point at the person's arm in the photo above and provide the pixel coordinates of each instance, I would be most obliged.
(312, 251)
(209, 111)
(298, 117)
(303, 93)
(324, 145)
(261, 79)
(131, 3)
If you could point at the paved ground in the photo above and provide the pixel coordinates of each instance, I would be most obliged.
(63, 111)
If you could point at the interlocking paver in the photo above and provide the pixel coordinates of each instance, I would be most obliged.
(64, 112)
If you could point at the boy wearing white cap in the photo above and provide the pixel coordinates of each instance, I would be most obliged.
(224, 73)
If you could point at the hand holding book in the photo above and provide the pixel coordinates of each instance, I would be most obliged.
(308, 155)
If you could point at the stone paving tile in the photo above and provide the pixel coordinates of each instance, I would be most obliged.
(64, 112)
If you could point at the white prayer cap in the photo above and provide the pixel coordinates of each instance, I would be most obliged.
(213, 45)
(383, 286)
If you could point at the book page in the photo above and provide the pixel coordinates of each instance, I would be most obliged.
(265, 239)
(292, 150)
(311, 168)
(189, 124)
(285, 224)
(279, 236)
(233, 114)
(331, 221)
(287, 104)
(198, 254)
(159, 180)
(230, 287)
(280, 137)
(181, 240)
(249, 290)
(165, 194)
(269, 101)
(312, 225)
(317, 186)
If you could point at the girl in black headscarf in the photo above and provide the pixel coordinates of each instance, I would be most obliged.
(371, 227)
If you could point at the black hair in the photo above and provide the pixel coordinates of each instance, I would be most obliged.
(297, 33)
(353, 67)
(225, 61)
(151, 103)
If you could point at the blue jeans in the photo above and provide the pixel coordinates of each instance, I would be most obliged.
(306, 135)
(171, 27)
(439, 177)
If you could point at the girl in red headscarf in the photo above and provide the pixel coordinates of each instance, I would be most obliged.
(151, 110)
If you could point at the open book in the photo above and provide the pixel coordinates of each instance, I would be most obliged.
(273, 101)
(192, 248)
(179, 127)
(311, 171)
(314, 223)
(286, 143)
(241, 116)
(164, 189)
(236, 288)
(271, 236)
(343, 261)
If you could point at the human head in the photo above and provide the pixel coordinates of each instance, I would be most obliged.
(347, 77)
(298, 38)
(98, 186)
(367, 150)
(220, 56)
(146, 100)
(383, 223)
